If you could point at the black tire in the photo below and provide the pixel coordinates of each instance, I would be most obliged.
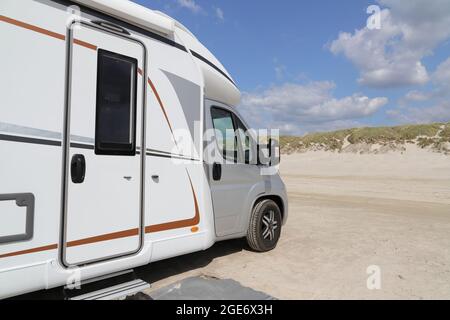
(265, 226)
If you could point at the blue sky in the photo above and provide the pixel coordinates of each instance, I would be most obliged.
(315, 65)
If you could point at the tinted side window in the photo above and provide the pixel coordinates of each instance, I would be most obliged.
(225, 133)
(115, 127)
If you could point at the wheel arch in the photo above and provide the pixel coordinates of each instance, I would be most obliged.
(275, 198)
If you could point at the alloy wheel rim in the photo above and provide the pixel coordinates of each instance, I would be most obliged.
(270, 225)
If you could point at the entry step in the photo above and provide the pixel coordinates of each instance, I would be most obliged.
(110, 287)
(115, 292)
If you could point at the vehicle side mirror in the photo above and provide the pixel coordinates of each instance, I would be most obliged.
(263, 154)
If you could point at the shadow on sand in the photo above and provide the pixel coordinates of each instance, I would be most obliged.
(166, 268)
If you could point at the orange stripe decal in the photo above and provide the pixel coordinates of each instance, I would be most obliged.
(46, 32)
(178, 224)
(105, 237)
(85, 44)
(155, 92)
(161, 105)
(33, 28)
(33, 250)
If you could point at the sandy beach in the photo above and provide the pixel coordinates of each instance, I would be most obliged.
(347, 212)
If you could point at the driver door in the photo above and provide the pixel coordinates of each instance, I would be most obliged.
(231, 179)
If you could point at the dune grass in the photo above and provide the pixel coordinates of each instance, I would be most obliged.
(445, 133)
(423, 134)
(400, 134)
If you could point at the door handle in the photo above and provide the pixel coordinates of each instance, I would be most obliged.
(217, 171)
(78, 168)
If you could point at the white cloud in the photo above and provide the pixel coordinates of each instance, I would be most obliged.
(416, 96)
(295, 108)
(441, 85)
(434, 113)
(427, 106)
(441, 77)
(392, 56)
(190, 5)
(219, 14)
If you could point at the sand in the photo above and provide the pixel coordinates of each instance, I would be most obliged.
(347, 212)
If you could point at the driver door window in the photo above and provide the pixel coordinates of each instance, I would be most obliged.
(225, 133)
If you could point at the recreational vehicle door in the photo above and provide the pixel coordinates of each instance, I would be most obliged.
(103, 177)
(232, 180)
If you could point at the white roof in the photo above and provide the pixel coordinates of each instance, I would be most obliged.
(133, 13)
(216, 86)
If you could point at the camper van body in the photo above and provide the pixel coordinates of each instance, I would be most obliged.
(78, 199)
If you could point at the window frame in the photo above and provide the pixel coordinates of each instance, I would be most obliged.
(133, 105)
(237, 150)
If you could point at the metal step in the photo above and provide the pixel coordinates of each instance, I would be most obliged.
(120, 276)
(115, 292)
(107, 287)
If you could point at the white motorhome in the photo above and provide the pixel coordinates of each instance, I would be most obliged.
(95, 177)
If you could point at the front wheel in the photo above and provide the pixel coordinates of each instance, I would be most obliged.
(265, 226)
